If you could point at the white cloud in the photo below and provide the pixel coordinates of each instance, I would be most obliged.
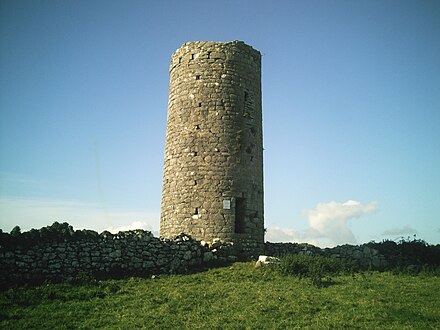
(328, 224)
(31, 213)
(330, 221)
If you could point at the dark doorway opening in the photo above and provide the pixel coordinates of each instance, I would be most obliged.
(240, 207)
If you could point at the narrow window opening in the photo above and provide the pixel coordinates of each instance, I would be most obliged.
(195, 182)
(195, 153)
(180, 60)
(200, 104)
(197, 77)
(192, 56)
(196, 211)
(240, 207)
(209, 55)
(197, 126)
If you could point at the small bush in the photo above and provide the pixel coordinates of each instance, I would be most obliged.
(316, 268)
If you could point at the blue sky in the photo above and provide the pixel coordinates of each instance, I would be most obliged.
(351, 107)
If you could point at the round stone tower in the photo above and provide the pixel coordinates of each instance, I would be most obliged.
(213, 168)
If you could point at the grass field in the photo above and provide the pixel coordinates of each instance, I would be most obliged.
(232, 297)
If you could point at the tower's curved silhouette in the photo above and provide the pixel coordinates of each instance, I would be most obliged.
(213, 167)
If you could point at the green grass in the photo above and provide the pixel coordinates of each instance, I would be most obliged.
(233, 297)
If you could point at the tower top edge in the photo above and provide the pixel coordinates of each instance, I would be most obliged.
(215, 44)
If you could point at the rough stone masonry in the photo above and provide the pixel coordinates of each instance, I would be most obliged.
(59, 253)
(213, 167)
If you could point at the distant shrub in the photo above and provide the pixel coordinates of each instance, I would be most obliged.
(57, 232)
(410, 254)
(16, 231)
(318, 269)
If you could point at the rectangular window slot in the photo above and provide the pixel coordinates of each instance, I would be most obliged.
(197, 127)
(200, 105)
(192, 56)
(180, 59)
(196, 211)
(240, 207)
(197, 77)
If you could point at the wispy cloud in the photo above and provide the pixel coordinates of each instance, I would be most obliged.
(36, 213)
(406, 230)
(10, 182)
(280, 234)
(134, 225)
(14, 178)
(328, 224)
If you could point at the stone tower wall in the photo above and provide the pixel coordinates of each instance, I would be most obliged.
(213, 168)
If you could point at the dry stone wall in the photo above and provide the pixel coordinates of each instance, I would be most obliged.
(213, 167)
(103, 255)
(58, 252)
(138, 252)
